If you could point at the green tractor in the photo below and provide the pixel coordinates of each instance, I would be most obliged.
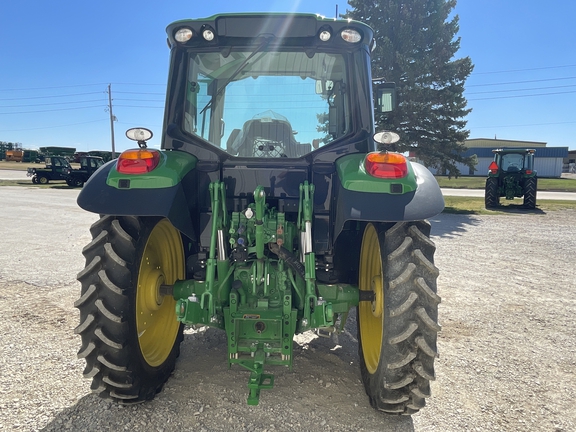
(511, 174)
(270, 210)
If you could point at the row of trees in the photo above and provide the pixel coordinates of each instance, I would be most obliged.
(9, 145)
(416, 43)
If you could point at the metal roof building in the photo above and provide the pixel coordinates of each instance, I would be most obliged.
(500, 143)
(548, 161)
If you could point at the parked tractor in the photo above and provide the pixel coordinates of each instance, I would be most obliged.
(271, 209)
(56, 168)
(511, 175)
(88, 166)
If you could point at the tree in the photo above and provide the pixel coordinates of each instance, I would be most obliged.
(415, 47)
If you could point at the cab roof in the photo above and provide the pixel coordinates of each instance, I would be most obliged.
(282, 26)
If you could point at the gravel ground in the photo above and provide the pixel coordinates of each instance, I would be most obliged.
(507, 348)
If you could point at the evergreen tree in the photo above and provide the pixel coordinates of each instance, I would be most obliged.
(415, 47)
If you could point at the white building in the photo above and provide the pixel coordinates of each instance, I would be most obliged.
(548, 161)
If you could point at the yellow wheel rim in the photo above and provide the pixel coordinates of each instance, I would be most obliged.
(162, 264)
(371, 314)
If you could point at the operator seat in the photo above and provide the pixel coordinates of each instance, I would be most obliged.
(266, 138)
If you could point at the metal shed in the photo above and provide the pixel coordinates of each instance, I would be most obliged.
(548, 161)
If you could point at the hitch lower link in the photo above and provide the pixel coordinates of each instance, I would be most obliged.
(257, 289)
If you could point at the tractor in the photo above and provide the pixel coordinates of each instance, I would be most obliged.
(272, 208)
(511, 174)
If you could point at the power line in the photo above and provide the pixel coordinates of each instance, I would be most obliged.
(139, 106)
(51, 127)
(136, 84)
(524, 125)
(522, 96)
(140, 93)
(522, 89)
(47, 97)
(53, 87)
(523, 70)
(139, 100)
(147, 125)
(57, 109)
(48, 104)
(520, 82)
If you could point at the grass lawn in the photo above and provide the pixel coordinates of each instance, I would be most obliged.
(18, 166)
(544, 184)
(22, 166)
(453, 204)
(471, 205)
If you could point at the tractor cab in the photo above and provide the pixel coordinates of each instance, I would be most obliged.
(511, 175)
(513, 161)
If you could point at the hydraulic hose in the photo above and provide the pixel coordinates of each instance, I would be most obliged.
(289, 258)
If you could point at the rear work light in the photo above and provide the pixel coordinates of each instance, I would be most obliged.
(138, 161)
(183, 35)
(350, 35)
(386, 165)
(493, 168)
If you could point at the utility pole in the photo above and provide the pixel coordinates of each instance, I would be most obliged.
(112, 118)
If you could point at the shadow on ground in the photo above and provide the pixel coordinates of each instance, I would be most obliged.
(323, 392)
(450, 224)
(517, 209)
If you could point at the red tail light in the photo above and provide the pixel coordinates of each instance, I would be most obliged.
(386, 165)
(138, 161)
(528, 172)
(493, 168)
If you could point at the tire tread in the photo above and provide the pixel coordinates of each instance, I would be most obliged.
(400, 384)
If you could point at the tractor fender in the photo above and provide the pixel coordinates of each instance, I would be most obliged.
(105, 195)
(424, 201)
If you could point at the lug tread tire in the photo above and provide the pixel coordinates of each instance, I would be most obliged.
(401, 382)
(491, 195)
(530, 188)
(107, 304)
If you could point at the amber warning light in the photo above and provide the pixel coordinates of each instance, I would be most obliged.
(138, 161)
(386, 165)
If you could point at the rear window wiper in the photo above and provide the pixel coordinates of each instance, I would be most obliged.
(235, 74)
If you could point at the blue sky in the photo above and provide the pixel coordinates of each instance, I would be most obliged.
(57, 59)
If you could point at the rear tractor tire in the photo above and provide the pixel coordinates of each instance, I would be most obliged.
(491, 195)
(530, 187)
(130, 334)
(397, 331)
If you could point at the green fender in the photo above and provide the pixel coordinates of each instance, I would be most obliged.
(361, 197)
(167, 191)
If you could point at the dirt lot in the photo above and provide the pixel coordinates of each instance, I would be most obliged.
(508, 344)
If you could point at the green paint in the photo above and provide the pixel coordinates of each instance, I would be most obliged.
(259, 298)
(173, 166)
(354, 177)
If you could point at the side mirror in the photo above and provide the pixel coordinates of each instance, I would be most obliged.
(385, 97)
